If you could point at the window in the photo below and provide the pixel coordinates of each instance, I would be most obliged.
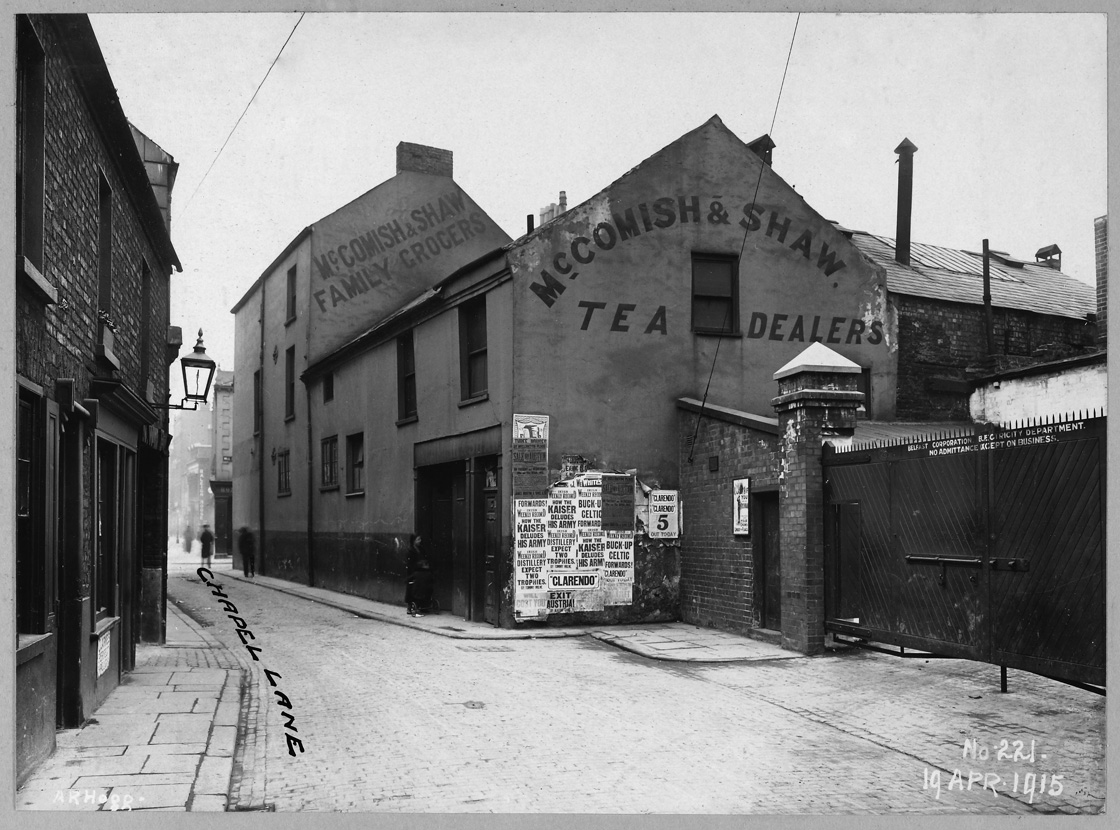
(328, 387)
(290, 383)
(865, 388)
(472, 348)
(355, 464)
(104, 246)
(258, 412)
(284, 473)
(291, 294)
(115, 522)
(406, 378)
(330, 461)
(30, 97)
(715, 294)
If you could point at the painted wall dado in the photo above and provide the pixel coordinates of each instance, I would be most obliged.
(378, 252)
(603, 299)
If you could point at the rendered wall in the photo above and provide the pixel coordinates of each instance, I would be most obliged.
(361, 541)
(602, 302)
(1043, 395)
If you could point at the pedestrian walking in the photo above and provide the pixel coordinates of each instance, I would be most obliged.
(248, 547)
(207, 540)
(188, 539)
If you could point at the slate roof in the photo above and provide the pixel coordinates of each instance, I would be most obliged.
(957, 276)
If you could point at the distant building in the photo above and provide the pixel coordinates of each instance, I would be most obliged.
(93, 346)
(1100, 244)
(433, 405)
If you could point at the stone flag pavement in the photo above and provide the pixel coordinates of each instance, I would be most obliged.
(163, 740)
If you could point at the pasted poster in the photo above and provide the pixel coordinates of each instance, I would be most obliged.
(564, 560)
(664, 514)
(530, 456)
(618, 502)
(742, 495)
(530, 549)
(618, 567)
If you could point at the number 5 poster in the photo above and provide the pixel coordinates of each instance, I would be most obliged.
(664, 514)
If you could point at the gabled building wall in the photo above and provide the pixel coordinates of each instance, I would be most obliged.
(381, 250)
(603, 301)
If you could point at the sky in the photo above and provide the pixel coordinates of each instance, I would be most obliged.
(1008, 112)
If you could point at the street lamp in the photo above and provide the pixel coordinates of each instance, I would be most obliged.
(198, 373)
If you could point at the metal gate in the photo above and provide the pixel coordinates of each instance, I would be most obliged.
(988, 546)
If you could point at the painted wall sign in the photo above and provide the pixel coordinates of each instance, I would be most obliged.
(530, 456)
(667, 211)
(741, 508)
(618, 502)
(664, 514)
(383, 249)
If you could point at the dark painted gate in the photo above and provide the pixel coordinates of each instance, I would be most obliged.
(987, 546)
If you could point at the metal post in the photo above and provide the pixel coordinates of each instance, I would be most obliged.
(1003, 679)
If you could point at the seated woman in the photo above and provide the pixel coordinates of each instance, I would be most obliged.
(419, 590)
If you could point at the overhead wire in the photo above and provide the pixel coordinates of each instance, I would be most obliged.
(742, 247)
(243, 112)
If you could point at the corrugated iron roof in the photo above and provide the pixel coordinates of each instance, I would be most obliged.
(957, 276)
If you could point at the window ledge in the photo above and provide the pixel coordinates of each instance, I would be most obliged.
(284, 494)
(103, 625)
(485, 396)
(288, 418)
(30, 646)
(355, 494)
(290, 320)
(326, 488)
(411, 419)
(40, 286)
(735, 334)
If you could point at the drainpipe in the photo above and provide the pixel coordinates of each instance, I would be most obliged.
(905, 152)
(310, 480)
(988, 300)
(261, 568)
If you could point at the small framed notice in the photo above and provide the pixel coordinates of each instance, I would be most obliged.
(742, 512)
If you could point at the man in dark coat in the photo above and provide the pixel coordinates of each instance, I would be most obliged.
(248, 548)
(207, 540)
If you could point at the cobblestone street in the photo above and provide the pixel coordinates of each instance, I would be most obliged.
(395, 719)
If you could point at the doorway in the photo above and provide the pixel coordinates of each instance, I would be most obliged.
(768, 561)
(457, 516)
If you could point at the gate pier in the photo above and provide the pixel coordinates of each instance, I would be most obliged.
(818, 394)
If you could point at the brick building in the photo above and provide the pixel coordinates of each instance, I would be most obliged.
(564, 355)
(93, 345)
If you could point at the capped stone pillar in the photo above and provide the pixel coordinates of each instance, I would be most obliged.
(818, 394)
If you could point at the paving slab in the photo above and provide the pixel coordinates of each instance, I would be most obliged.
(181, 729)
(154, 796)
(130, 781)
(185, 748)
(169, 763)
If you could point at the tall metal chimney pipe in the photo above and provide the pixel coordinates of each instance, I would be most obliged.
(905, 152)
(563, 201)
(528, 223)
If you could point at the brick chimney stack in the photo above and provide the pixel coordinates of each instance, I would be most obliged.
(417, 158)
